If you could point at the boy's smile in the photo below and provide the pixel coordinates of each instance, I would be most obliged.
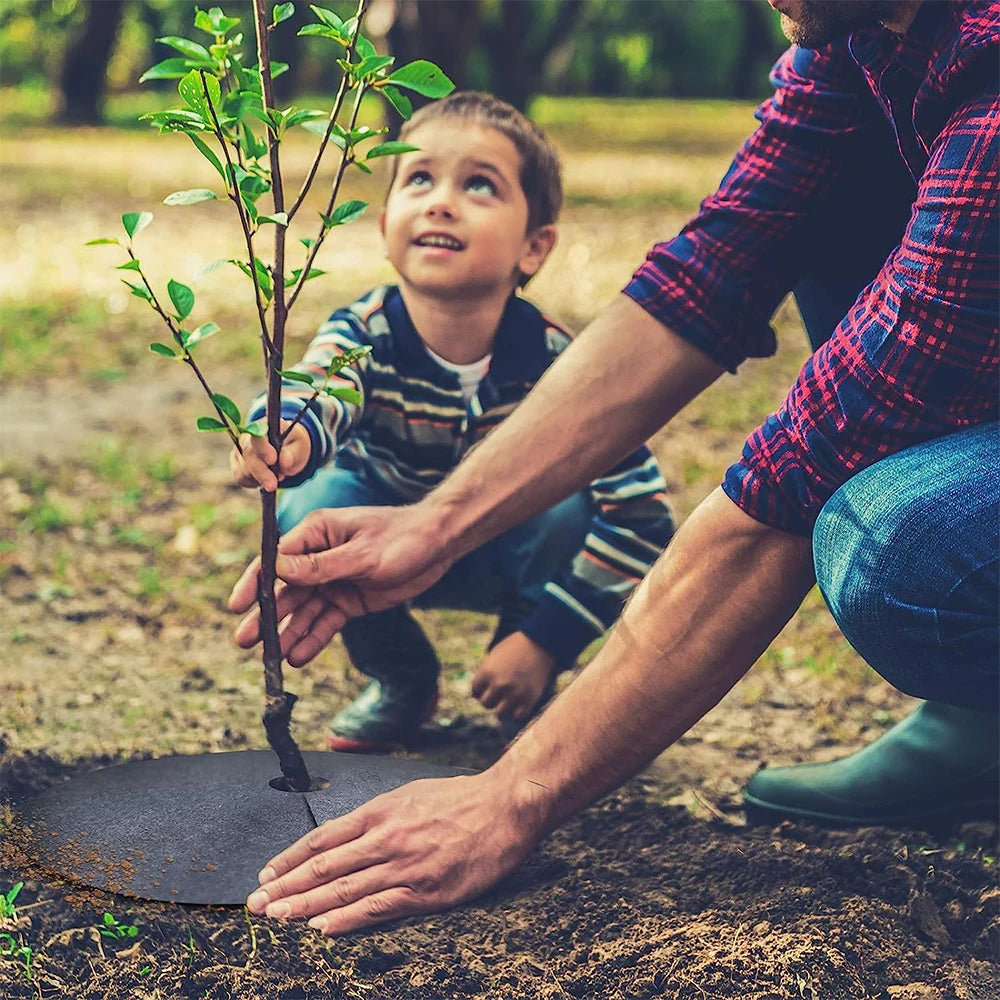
(455, 219)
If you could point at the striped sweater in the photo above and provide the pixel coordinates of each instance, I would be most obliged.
(412, 427)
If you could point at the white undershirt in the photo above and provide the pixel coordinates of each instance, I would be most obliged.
(469, 376)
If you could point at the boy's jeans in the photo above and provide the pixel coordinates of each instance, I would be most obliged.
(906, 551)
(506, 575)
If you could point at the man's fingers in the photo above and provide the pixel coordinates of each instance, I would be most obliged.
(309, 629)
(330, 892)
(244, 593)
(377, 908)
(313, 568)
(333, 833)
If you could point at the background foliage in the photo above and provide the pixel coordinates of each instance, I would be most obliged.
(70, 53)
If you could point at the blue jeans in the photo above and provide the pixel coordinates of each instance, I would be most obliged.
(507, 575)
(906, 552)
(906, 556)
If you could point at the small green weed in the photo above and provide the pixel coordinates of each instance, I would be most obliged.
(112, 927)
(150, 581)
(13, 948)
(45, 517)
(7, 908)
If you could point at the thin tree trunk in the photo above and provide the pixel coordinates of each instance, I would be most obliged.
(85, 70)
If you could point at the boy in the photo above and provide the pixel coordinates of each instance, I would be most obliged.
(469, 218)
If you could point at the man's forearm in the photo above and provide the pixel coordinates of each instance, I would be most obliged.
(619, 381)
(724, 588)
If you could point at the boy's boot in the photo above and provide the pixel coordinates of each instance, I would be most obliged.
(390, 647)
(937, 765)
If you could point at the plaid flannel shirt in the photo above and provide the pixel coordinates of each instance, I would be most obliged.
(915, 357)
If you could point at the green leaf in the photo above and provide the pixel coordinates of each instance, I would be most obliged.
(136, 222)
(108, 919)
(283, 11)
(210, 424)
(328, 17)
(174, 69)
(181, 296)
(279, 218)
(203, 22)
(292, 376)
(390, 149)
(132, 931)
(322, 31)
(423, 77)
(132, 265)
(192, 90)
(191, 49)
(362, 166)
(314, 272)
(366, 49)
(203, 332)
(228, 407)
(343, 393)
(308, 242)
(162, 349)
(139, 291)
(190, 197)
(215, 22)
(399, 100)
(319, 128)
(257, 429)
(176, 120)
(304, 115)
(254, 147)
(103, 240)
(208, 154)
(264, 278)
(347, 212)
(346, 358)
(372, 64)
(277, 68)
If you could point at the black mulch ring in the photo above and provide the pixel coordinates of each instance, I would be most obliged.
(196, 829)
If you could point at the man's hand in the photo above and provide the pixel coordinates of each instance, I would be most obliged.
(253, 467)
(340, 564)
(428, 845)
(512, 677)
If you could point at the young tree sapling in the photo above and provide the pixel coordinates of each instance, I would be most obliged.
(230, 107)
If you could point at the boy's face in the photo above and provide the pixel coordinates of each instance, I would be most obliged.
(455, 219)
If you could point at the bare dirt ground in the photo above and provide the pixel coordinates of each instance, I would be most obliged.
(121, 537)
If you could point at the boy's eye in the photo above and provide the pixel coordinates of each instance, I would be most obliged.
(419, 178)
(478, 184)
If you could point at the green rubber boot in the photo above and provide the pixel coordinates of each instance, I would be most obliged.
(938, 765)
(392, 649)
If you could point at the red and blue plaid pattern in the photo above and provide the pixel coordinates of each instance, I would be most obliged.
(915, 357)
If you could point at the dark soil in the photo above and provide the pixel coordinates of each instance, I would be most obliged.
(631, 899)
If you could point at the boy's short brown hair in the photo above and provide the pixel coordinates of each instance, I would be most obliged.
(540, 178)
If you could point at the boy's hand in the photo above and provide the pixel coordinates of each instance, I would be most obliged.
(512, 677)
(253, 467)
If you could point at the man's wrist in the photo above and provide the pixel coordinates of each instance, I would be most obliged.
(452, 520)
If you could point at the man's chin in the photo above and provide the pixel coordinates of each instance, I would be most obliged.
(821, 21)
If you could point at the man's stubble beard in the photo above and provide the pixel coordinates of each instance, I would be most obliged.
(824, 20)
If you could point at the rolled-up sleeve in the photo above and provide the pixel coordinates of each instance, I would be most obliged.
(718, 282)
(915, 357)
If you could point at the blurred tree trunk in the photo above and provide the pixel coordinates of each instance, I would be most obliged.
(443, 31)
(518, 47)
(84, 74)
(757, 46)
